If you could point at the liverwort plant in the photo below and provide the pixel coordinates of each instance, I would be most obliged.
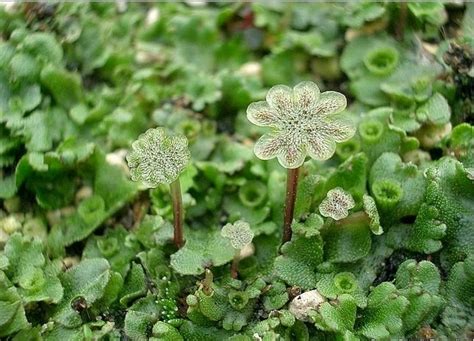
(304, 122)
(158, 157)
(240, 235)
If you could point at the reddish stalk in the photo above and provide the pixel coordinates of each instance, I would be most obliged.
(234, 268)
(402, 20)
(178, 214)
(291, 188)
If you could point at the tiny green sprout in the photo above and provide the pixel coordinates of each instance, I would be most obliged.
(165, 331)
(158, 157)
(304, 122)
(240, 235)
(108, 246)
(90, 208)
(32, 280)
(287, 319)
(336, 204)
(420, 84)
(208, 282)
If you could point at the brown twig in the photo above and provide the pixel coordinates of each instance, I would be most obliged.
(234, 268)
(402, 21)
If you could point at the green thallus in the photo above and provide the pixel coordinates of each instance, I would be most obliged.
(304, 122)
(158, 157)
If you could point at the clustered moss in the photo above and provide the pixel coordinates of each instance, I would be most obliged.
(377, 209)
